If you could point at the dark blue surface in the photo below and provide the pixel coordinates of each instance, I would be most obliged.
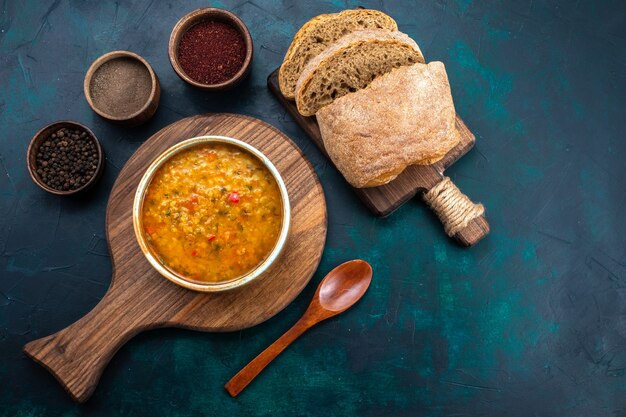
(531, 322)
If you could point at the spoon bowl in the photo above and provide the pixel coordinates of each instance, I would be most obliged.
(338, 291)
(344, 286)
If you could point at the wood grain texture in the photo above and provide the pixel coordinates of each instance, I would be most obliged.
(139, 298)
(385, 199)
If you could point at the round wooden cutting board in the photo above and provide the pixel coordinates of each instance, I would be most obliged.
(139, 298)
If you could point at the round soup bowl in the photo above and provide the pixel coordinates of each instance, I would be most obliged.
(172, 275)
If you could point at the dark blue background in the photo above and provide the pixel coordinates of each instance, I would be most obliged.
(532, 321)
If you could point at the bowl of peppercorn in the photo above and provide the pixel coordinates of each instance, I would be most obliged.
(211, 49)
(65, 158)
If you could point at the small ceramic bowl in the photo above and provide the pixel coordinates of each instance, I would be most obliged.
(180, 279)
(42, 136)
(131, 119)
(207, 14)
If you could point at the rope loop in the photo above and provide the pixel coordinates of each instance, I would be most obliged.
(454, 209)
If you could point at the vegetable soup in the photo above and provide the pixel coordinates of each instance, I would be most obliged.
(212, 213)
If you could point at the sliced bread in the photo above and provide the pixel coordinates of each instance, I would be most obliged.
(402, 118)
(350, 64)
(320, 32)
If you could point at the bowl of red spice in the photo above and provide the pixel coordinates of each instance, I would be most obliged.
(65, 158)
(211, 49)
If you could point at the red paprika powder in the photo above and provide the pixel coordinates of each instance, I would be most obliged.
(211, 52)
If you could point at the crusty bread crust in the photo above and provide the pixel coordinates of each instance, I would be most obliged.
(315, 35)
(402, 118)
(338, 55)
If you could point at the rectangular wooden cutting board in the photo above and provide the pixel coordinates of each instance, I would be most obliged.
(463, 220)
(383, 200)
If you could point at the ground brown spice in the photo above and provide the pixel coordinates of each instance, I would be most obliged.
(120, 87)
(211, 52)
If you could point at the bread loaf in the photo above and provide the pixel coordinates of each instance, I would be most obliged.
(350, 64)
(402, 118)
(320, 32)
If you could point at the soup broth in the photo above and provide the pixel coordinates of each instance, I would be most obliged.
(212, 213)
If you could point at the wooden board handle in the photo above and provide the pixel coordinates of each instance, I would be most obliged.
(78, 354)
(462, 219)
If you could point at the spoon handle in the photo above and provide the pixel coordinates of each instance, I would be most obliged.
(251, 370)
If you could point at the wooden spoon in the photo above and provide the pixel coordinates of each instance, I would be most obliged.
(338, 291)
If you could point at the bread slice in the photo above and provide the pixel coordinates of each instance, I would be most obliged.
(350, 64)
(402, 118)
(320, 32)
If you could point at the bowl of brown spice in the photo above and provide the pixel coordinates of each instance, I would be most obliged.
(211, 49)
(123, 88)
(65, 158)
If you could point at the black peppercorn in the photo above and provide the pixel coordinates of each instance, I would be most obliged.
(67, 159)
